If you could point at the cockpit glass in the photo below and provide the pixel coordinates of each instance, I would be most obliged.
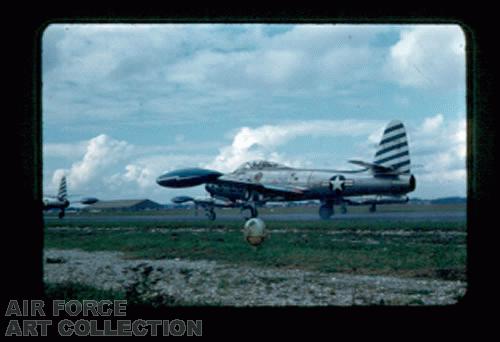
(259, 164)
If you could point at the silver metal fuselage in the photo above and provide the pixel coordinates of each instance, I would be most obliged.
(313, 184)
(50, 203)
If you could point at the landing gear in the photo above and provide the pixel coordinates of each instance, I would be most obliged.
(61, 214)
(343, 208)
(211, 214)
(251, 211)
(326, 211)
(373, 208)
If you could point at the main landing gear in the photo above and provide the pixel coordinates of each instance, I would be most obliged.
(211, 214)
(251, 211)
(343, 208)
(326, 210)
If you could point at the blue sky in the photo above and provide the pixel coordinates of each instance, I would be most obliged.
(123, 103)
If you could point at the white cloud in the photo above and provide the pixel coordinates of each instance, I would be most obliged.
(143, 171)
(111, 168)
(439, 146)
(305, 58)
(113, 73)
(262, 142)
(375, 137)
(429, 56)
(129, 78)
(275, 67)
(64, 150)
(101, 152)
(433, 123)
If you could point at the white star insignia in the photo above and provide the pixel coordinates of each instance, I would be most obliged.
(337, 184)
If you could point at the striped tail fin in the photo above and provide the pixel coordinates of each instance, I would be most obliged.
(393, 151)
(62, 193)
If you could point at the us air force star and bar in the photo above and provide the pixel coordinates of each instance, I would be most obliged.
(338, 183)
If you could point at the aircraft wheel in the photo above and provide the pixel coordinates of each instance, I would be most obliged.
(373, 208)
(61, 214)
(325, 212)
(252, 212)
(211, 215)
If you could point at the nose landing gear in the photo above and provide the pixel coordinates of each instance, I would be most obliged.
(251, 211)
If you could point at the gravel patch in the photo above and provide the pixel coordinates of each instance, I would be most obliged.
(205, 282)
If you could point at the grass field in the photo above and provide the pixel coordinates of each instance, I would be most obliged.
(412, 249)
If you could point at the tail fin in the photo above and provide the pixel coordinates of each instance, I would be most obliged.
(393, 151)
(62, 193)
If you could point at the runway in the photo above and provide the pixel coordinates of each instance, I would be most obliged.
(446, 216)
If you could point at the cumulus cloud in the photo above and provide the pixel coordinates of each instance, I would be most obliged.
(428, 56)
(143, 171)
(432, 124)
(116, 168)
(439, 146)
(101, 152)
(142, 76)
(64, 150)
(262, 142)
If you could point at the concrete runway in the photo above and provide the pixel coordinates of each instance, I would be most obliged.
(453, 216)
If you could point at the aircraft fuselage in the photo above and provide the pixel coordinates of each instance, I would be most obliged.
(316, 184)
(385, 180)
(55, 204)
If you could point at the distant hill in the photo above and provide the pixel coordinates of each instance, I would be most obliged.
(442, 200)
(449, 200)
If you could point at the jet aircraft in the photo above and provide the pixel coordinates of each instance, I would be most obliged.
(385, 180)
(61, 200)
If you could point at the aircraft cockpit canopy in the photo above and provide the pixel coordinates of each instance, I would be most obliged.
(259, 165)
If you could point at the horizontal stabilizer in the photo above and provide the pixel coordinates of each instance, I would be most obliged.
(182, 199)
(374, 167)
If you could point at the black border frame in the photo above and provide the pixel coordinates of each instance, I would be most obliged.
(23, 243)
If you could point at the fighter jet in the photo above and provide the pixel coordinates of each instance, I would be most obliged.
(61, 200)
(387, 179)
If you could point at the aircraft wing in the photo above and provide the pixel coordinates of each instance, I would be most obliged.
(281, 189)
(210, 202)
(376, 168)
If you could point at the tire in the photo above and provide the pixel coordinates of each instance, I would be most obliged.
(325, 212)
(211, 215)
